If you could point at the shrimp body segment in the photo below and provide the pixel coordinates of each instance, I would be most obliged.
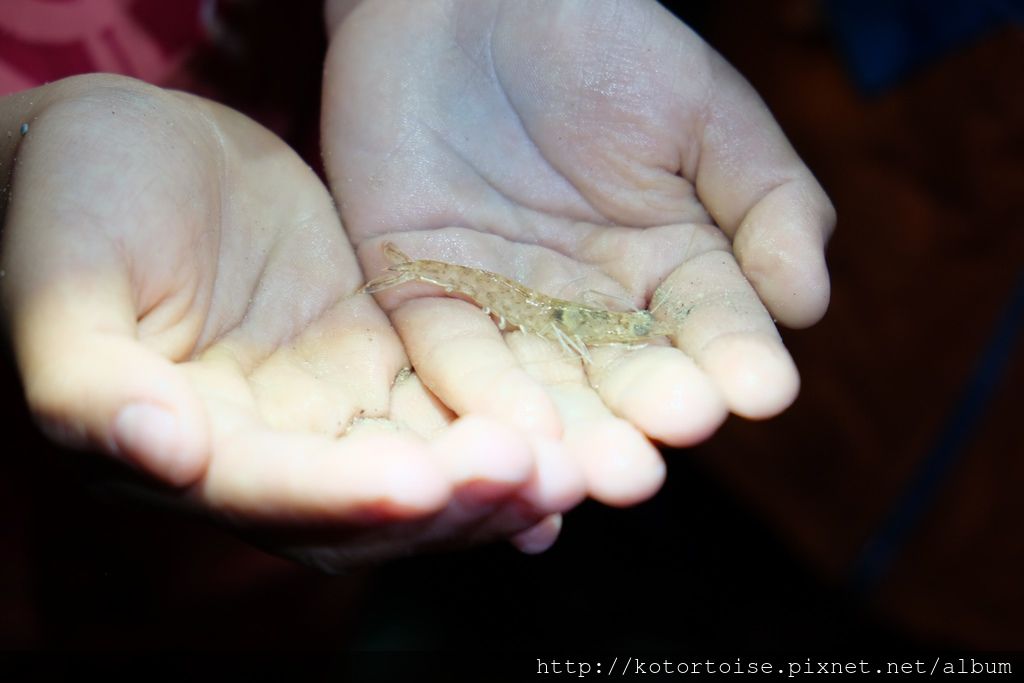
(573, 325)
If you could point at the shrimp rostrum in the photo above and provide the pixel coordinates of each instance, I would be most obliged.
(514, 305)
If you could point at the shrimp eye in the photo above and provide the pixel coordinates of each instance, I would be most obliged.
(641, 329)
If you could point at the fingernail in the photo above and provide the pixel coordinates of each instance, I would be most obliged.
(539, 537)
(148, 437)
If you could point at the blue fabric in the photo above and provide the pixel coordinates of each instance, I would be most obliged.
(883, 41)
(965, 417)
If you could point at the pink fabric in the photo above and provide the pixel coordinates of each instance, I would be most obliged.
(45, 40)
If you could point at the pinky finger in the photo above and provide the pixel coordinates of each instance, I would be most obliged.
(262, 475)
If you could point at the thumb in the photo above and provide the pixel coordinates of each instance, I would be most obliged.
(89, 246)
(90, 382)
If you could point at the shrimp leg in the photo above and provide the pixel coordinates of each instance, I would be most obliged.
(573, 345)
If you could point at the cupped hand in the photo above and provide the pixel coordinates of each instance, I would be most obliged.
(577, 147)
(179, 295)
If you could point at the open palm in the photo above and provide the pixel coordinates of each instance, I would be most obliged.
(180, 295)
(577, 147)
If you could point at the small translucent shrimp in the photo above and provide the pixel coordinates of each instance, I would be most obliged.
(512, 304)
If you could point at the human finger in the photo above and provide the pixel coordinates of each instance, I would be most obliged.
(762, 195)
(88, 380)
(540, 536)
(661, 390)
(620, 466)
(724, 327)
(260, 475)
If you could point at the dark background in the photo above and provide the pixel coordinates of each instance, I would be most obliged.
(882, 511)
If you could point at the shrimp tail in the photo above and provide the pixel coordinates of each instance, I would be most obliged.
(395, 255)
(394, 275)
(386, 281)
